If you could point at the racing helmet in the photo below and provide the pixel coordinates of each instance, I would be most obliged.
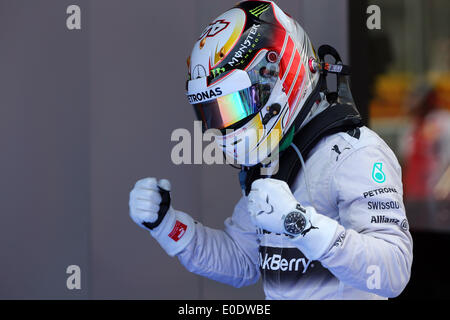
(250, 74)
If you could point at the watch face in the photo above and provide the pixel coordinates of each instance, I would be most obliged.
(295, 222)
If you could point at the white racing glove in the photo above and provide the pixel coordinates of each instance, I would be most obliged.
(150, 208)
(274, 208)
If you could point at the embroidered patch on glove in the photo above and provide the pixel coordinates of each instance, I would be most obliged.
(178, 231)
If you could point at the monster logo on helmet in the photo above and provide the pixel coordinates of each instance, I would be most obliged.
(265, 78)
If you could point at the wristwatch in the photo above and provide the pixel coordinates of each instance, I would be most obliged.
(295, 221)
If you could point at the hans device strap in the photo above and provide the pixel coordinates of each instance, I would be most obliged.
(341, 116)
(336, 118)
(163, 208)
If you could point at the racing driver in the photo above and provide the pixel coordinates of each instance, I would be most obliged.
(325, 218)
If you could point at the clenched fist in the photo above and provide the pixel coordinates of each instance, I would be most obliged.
(274, 208)
(149, 202)
(150, 208)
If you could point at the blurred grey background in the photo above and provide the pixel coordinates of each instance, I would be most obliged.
(83, 115)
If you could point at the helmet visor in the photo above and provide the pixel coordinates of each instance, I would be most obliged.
(227, 110)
